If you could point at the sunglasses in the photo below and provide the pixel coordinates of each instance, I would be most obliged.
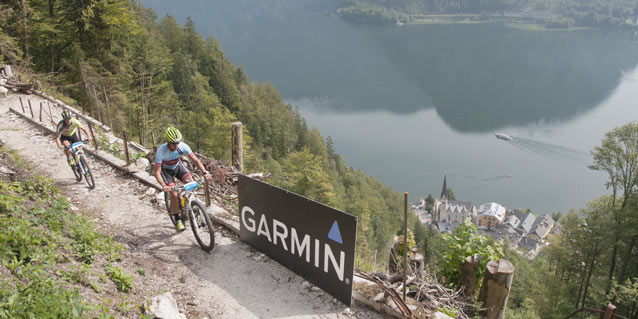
(173, 144)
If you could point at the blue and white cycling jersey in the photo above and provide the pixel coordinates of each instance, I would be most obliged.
(168, 159)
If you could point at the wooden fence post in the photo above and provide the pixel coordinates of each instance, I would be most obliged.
(496, 289)
(207, 193)
(405, 241)
(40, 111)
(30, 108)
(92, 135)
(21, 104)
(609, 312)
(237, 147)
(128, 158)
(50, 113)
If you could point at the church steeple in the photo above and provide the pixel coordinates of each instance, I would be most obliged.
(444, 190)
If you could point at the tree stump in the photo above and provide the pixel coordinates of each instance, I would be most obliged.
(468, 281)
(496, 289)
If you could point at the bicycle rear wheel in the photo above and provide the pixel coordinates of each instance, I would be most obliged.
(88, 177)
(202, 226)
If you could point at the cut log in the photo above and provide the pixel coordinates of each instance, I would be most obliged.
(467, 281)
(496, 289)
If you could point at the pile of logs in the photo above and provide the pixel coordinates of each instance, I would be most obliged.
(426, 292)
(26, 88)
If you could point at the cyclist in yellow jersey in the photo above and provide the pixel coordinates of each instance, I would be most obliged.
(67, 133)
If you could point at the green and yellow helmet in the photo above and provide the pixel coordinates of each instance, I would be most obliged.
(173, 135)
(66, 114)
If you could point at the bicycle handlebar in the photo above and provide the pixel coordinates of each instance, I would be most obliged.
(186, 187)
(76, 144)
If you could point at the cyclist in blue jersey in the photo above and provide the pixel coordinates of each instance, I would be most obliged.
(67, 130)
(168, 166)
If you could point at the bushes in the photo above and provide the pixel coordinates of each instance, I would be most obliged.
(38, 239)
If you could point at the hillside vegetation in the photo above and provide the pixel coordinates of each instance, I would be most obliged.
(55, 264)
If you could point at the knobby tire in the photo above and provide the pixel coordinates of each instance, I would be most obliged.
(77, 171)
(202, 226)
(88, 176)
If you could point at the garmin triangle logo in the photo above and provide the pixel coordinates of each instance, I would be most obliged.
(334, 233)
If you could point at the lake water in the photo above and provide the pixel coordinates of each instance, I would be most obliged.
(408, 104)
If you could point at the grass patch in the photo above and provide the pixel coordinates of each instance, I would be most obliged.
(47, 252)
(122, 280)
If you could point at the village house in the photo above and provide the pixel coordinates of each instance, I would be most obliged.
(512, 220)
(527, 222)
(541, 228)
(490, 215)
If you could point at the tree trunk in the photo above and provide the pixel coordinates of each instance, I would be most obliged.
(496, 289)
(625, 263)
(591, 269)
(25, 31)
(580, 288)
(53, 35)
(613, 264)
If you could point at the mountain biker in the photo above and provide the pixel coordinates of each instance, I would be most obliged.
(67, 133)
(168, 166)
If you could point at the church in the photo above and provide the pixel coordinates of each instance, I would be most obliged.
(450, 213)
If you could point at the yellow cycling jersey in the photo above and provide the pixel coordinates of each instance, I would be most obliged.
(68, 130)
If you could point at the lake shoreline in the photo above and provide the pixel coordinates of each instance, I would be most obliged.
(540, 21)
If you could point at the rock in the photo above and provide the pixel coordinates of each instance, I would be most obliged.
(6, 171)
(142, 163)
(307, 285)
(164, 306)
(150, 191)
(379, 297)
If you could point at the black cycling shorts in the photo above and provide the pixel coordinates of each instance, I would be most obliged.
(180, 172)
(72, 139)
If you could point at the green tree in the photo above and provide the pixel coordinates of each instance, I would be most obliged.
(463, 242)
(618, 157)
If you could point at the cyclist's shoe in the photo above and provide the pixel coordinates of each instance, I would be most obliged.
(179, 226)
(71, 162)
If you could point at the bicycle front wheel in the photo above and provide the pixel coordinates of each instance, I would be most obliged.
(173, 217)
(77, 171)
(202, 226)
(88, 177)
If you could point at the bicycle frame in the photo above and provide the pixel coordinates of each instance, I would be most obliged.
(186, 193)
(76, 151)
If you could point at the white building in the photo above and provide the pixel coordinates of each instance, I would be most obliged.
(490, 215)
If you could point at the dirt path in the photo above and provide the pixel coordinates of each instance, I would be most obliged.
(234, 281)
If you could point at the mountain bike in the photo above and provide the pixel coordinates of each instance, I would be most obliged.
(81, 166)
(189, 205)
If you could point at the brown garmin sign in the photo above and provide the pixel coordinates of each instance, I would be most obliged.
(313, 240)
